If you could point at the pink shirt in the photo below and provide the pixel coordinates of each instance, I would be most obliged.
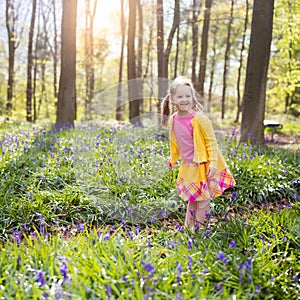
(183, 130)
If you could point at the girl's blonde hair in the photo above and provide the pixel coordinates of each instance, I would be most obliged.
(166, 106)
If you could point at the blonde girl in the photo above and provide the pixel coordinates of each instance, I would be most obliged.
(203, 173)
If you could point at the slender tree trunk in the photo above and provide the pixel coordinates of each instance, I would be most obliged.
(134, 112)
(241, 63)
(29, 65)
(212, 67)
(252, 128)
(204, 45)
(140, 55)
(195, 34)
(66, 106)
(175, 24)
(226, 59)
(55, 51)
(160, 52)
(11, 32)
(119, 110)
(89, 53)
(184, 58)
(177, 52)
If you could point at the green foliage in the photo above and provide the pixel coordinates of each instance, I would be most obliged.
(60, 190)
(255, 257)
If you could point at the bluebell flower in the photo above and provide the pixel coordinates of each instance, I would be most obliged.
(41, 278)
(222, 257)
(232, 244)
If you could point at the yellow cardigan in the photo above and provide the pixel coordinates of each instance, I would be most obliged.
(205, 143)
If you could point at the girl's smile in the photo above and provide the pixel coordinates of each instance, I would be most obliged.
(183, 100)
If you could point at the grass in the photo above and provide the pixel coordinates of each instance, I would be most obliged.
(92, 213)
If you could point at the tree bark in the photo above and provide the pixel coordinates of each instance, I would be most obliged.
(212, 67)
(226, 60)
(119, 109)
(160, 51)
(89, 53)
(252, 128)
(195, 34)
(204, 46)
(134, 112)
(241, 63)
(140, 55)
(29, 65)
(66, 106)
(11, 17)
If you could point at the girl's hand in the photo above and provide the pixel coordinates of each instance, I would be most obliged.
(170, 165)
(211, 172)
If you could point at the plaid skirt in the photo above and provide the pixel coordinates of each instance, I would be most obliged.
(193, 185)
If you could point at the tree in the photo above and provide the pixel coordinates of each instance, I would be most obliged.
(241, 59)
(204, 46)
(252, 127)
(134, 112)
(195, 34)
(11, 17)
(119, 110)
(226, 59)
(29, 65)
(66, 105)
(160, 50)
(89, 52)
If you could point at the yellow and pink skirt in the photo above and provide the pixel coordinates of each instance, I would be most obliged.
(193, 185)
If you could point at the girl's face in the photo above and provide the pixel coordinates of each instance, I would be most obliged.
(183, 99)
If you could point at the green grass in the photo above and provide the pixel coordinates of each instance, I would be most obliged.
(92, 213)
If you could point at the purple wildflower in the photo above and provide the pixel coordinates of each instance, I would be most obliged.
(80, 227)
(148, 267)
(41, 278)
(222, 257)
(190, 263)
(232, 244)
(64, 270)
(190, 244)
(219, 287)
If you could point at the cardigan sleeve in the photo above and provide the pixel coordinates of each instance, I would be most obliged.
(175, 154)
(206, 129)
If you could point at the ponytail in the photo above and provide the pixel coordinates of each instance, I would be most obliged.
(165, 111)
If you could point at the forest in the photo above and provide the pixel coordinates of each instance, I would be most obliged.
(89, 204)
(66, 61)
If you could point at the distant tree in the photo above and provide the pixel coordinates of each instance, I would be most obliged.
(226, 59)
(204, 46)
(89, 52)
(29, 117)
(119, 110)
(241, 59)
(139, 70)
(11, 17)
(252, 128)
(212, 65)
(66, 106)
(195, 34)
(134, 112)
(160, 50)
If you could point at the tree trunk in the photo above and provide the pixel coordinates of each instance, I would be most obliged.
(177, 52)
(140, 55)
(252, 128)
(241, 63)
(66, 106)
(226, 59)
(11, 32)
(195, 34)
(134, 112)
(29, 65)
(204, 45)
(89, 53)
(55, 51)
(175, 24)
(160, 52)
(212, 67)
(119, 110)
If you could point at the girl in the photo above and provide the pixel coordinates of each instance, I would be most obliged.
(203, 173)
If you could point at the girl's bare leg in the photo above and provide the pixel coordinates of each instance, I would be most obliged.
(201, 211)
(190, 215)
